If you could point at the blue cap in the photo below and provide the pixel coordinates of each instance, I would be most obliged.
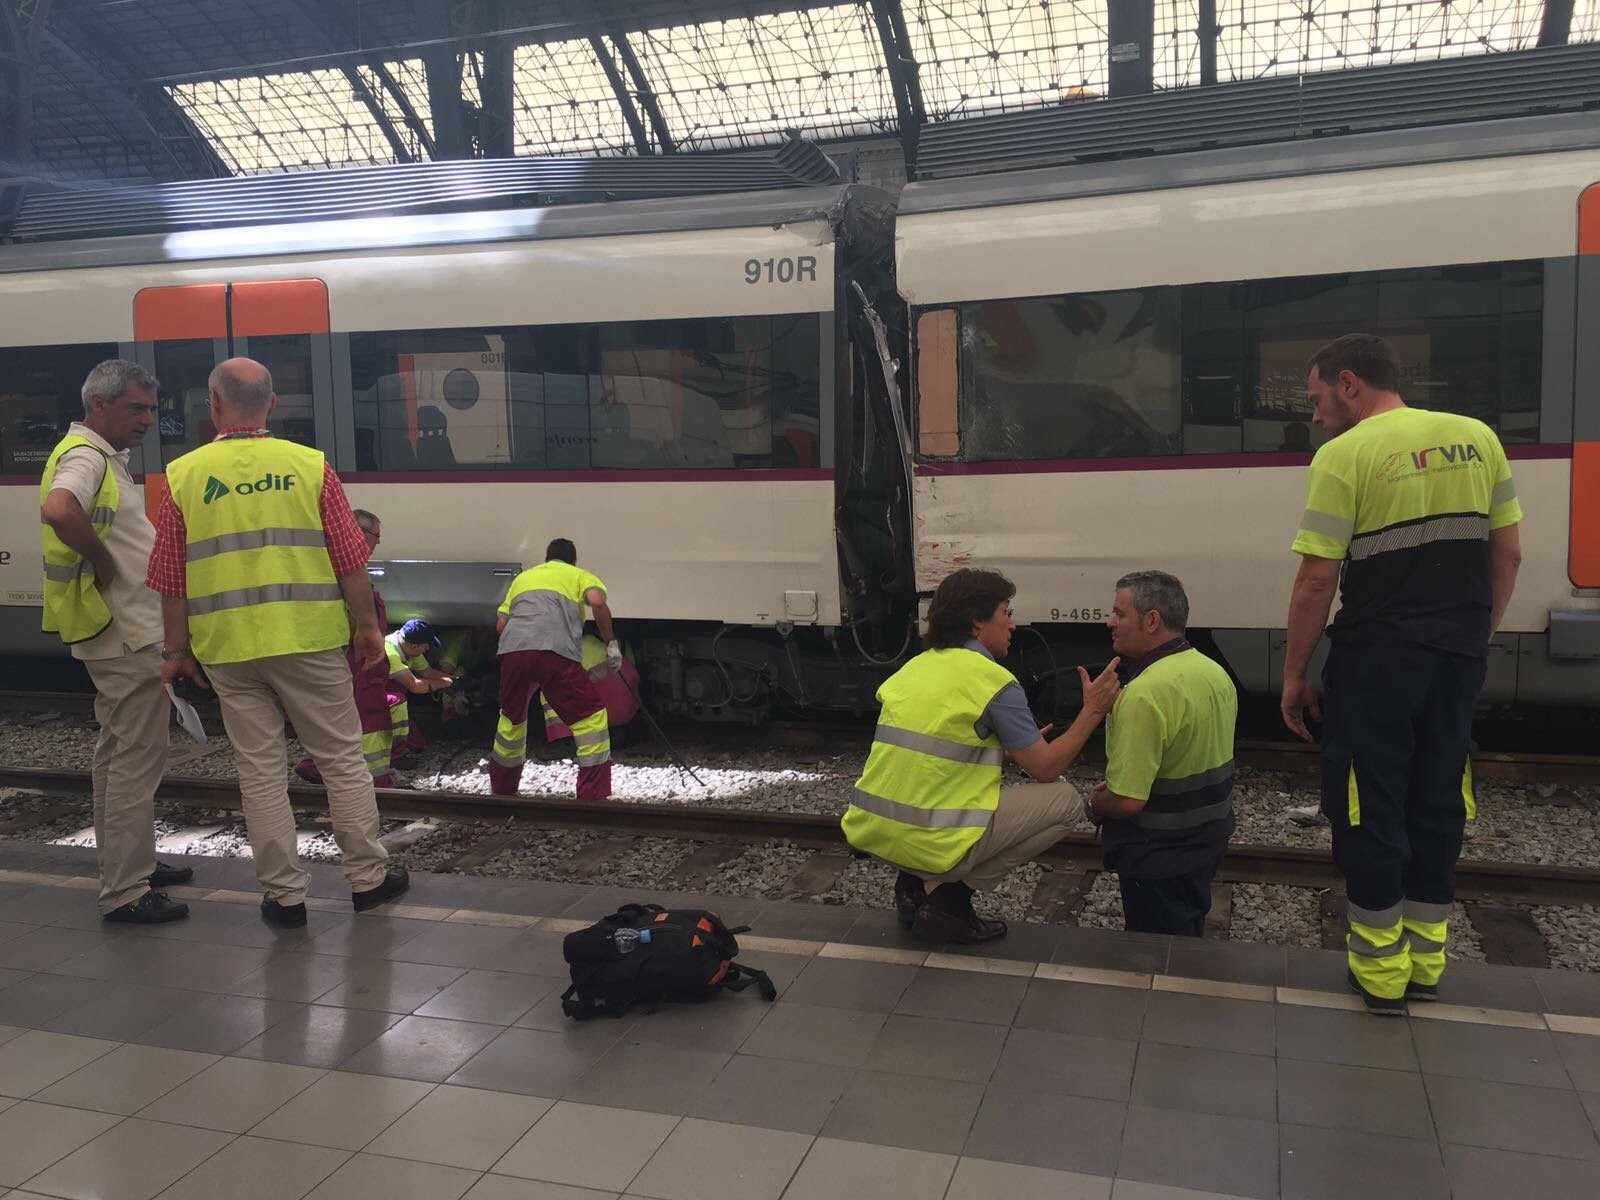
(419, 633)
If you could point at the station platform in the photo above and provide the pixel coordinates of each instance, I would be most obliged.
(419, 1053)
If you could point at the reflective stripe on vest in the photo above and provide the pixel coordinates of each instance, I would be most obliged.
(1189, 802)
(931, 785)
(257, 571)
(73, 606)
(254, 539)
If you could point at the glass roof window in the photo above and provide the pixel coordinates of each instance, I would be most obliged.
(412, 80)
(1177, 43)
(746, 81)
(983, 56)
(288, 122)
(564, 102)
(1289, 37)
(1585, 21)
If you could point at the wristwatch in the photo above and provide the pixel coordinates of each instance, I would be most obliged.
(177, 655)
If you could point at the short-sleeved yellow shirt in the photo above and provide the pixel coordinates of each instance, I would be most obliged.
(1407, 499)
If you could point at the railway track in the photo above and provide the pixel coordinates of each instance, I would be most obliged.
(1567, 770)
(1477, 880)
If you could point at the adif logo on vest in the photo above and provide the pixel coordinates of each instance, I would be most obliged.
(216, 489)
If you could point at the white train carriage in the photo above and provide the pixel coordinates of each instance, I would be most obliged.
(1109, 368)
(665, 381)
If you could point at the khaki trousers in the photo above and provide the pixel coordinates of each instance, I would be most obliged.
(129, 758)
(315, 691)
(1031, 818)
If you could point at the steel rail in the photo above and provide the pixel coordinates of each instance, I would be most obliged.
(1568, 770)
(1529, 883)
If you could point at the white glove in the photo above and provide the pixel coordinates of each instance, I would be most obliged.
(614, 655)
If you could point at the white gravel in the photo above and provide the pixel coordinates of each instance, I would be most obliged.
(1281, 916)
(1529, 823)
(1102, 908)
(1516, 822)
(762, 870)
(1573, 935)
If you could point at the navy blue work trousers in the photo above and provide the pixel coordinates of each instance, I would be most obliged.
(1177, 905)
(1397, 733)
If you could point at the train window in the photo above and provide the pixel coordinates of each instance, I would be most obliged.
(1220, 367)
(1469, 339)
(183, 367)
(41, 393)
(706, 393)
(288, 357)
(1092, 375)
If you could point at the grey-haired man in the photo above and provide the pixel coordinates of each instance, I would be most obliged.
(94, 525)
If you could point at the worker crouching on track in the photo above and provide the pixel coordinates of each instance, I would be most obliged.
(409, 675)
(930, 801)
(1165, 809)
(257, 556)
(541, 650)
(97, 543)
(1413, 515)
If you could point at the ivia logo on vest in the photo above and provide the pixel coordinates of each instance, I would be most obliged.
(216, 489)
(1406, 464)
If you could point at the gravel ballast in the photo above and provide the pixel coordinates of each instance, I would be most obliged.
(1517, 822)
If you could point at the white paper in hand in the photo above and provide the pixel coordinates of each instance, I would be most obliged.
(187, 717)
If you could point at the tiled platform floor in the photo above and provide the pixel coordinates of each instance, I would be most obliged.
(421, 1054)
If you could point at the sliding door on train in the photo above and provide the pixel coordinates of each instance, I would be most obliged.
(183, 332)
(1583, 556)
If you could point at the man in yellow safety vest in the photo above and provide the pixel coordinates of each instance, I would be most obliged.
(97, 541)
(930, 800)
(257, 557)
(1412, 516)
(541, 650)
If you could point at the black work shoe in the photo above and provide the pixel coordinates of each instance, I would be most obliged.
(1378, 1006)
(935, 924)
(1425, 992)
(165, 876)
(909, 894)
(395, 881)
(284, 916)
(152, 908)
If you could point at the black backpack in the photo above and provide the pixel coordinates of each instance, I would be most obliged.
(646, 954)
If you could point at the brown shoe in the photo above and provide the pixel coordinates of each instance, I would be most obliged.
(935, 924)
(909, 895)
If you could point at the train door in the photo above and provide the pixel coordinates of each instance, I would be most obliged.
(183, 332)
(1583, 551)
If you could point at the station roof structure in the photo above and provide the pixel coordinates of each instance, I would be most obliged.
(162, 90)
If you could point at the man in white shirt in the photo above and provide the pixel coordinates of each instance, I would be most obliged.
(95, 522)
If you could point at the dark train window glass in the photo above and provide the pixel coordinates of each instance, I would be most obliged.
(1092, 375)
(288, 357)
(1220, 367)
(41, 393)
(183, 367)
(704, 393)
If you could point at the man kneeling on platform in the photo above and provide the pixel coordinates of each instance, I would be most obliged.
(930, 800)
(1165, 809)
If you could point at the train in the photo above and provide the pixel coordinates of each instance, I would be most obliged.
(773, 417)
